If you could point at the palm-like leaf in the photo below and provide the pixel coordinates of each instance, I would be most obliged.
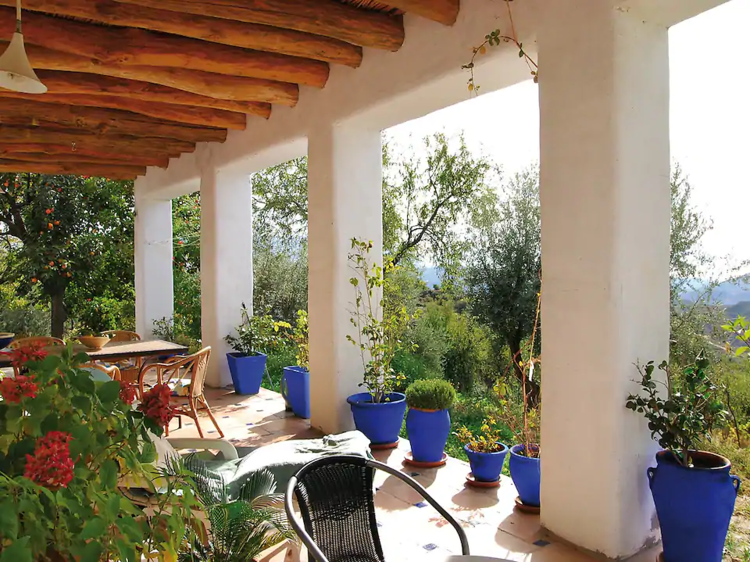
(242, 529)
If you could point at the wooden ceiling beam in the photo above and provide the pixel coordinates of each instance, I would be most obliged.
(320, 17)
(215, 30)
(117, 172)
(26, 113)
(126, 145)
(202, 84)
(165, 111)
(70, 158)
(20, 151)
(136, 47)
(96, 84)
(441, 11)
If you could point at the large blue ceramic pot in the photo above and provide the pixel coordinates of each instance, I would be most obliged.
(526, 474)
(486, 467)
(380, 422)
(247, 372)
(428, 432)
(694, 505)
(295, 388)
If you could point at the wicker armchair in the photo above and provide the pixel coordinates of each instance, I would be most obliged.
(111, 371)
(189, 374)
(130, 368)
(46, 341)
(336, 501)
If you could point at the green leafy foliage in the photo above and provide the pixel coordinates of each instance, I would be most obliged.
(66, 443)
(301, 339)
(69, 237)
(239, 528)
(258, 334)
(378, 327)
(683, 416)
(430, 394)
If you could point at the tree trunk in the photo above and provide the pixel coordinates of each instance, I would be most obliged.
(59, 315)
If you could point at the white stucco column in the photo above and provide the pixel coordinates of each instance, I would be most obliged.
(604, 102)
(154, 296)
(226, 260)
(345, 202)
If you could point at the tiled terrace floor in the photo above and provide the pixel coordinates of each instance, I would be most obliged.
(409, 528)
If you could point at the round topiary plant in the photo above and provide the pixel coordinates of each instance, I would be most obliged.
(430, 394)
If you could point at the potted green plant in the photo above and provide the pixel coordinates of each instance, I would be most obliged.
(256, 336)
(241, 527)
(693, 491)
(295, 382)
(68, 440)
(485, 451)
(523, 420)
(428, 422)
(379, 411)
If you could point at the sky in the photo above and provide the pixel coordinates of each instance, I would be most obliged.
(709, 122)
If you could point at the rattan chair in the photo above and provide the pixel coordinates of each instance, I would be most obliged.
(46, 341)
(122, 335)
(111, 371)
(336, 501)
(130, 368)
(188, 373)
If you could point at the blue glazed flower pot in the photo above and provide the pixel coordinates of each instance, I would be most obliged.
(428, 432)
(694, 505)
(486, 467)
(247, 372)
(526, 474)
(295, 388)
(380, 422)
(5, 339)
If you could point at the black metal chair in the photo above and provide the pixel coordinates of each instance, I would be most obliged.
(336, 501)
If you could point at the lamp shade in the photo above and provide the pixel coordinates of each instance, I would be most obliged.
(15, 69)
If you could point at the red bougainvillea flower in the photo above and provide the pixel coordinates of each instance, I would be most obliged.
(155, 405)
(51, 465)
(31, 352)
(128, 392)
(22, 386)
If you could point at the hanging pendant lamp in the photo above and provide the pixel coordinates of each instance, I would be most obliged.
(15, 69)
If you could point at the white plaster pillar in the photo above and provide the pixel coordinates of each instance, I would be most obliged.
(345, 202)
(154, 296)
(226, 260)
(604, 102)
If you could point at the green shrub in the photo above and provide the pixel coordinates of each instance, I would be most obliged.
(430, 394)
(413, 367)
(277, 360)
(429, 334)
(105, 313)
(24, 322)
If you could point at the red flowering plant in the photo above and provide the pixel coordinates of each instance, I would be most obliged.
(68, 442)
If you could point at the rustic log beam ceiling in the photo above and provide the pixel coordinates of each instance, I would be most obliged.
(132, 83)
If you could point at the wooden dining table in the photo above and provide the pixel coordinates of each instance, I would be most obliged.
(118, 350)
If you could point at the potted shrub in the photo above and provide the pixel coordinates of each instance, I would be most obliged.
(523, 420)
(428, 422)
(68, 441)
(255, 337)
(379, 411)
(295, 382)
(693, 491)
(485, 451)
